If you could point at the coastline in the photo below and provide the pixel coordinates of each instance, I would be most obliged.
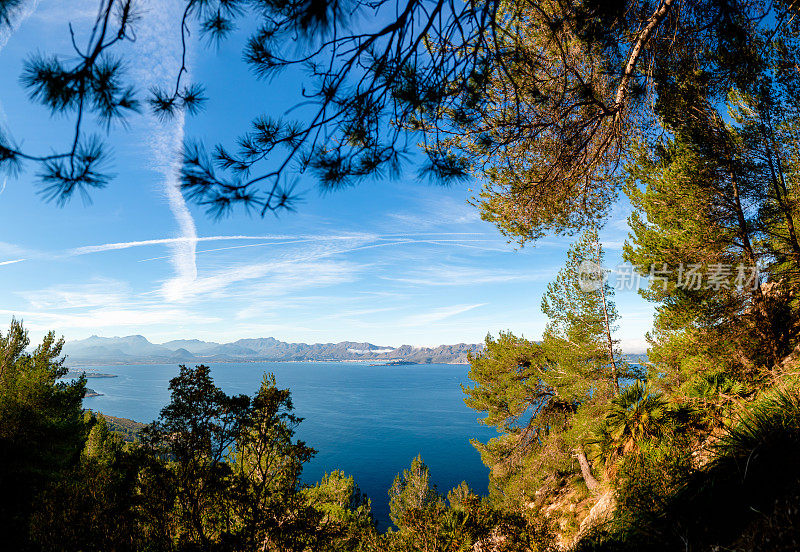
(368, 362)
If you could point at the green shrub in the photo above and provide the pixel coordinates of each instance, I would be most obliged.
(743, 499)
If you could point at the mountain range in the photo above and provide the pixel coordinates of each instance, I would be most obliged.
(137, 349)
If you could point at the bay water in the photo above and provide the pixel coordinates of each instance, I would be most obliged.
(368, 421)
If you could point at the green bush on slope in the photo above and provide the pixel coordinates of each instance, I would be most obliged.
(744, 498)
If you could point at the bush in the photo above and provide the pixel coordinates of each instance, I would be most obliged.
(743, 499)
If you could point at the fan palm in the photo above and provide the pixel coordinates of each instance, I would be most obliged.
(637, 414)
(714, 396)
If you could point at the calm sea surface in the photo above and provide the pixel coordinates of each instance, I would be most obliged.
(369, 421)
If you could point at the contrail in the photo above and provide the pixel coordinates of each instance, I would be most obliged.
(175, 241)
(114, 246)
(158, 45)
(24, 13)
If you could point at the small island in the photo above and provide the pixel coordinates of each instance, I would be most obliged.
(72, 374)
(91, 393)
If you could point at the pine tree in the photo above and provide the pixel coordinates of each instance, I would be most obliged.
(582, 315)
(267, 464)
(545, 398)
(714, 217)
(346, 524)
(95, 506)
(225, 470)
(543, 99)
(42, 428)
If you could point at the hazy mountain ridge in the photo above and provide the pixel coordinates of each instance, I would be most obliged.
(136, 349)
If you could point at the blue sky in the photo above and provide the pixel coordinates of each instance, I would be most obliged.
(390, 262)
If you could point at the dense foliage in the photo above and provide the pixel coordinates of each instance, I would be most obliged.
(689, 108)
(214, 472)
(42, 429)
(545, 397)
(544, 100)
(684, 455)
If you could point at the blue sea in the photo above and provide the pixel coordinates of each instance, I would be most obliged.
(369, 421)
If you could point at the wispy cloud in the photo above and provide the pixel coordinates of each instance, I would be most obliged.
(183, 253)
(357, 313)
(115, 246)
(156, 40)
(100, 292)
(12, 249)
(108, 318)
(22, 13)
(435, 238)
(61, 13)
(435, 214)
(292, 269)
(3, 263)
(437, 315)
(309, 264)
(468, 275)
(269, 279)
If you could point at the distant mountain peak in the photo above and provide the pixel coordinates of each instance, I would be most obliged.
(136, 349)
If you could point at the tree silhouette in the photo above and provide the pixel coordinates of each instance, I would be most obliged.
(542, 98)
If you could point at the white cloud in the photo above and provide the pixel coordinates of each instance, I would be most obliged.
(465, 276)
(282, 331)
(285, 271)
(613, 245)
(436, 213)
(108, 318)
(437, 315)
(355, 313)
(18, 18)
(62, 13)
(115, 246)
(269, 279)
(634, 346)
(183, 253)
(98, 293)
(618, 217)
(364, 241)
(157, 35)
(467, 244)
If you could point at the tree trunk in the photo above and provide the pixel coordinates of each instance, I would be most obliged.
(614, 374)
(633, 56)
(761, 306)
(586, 470)
(779, 186)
